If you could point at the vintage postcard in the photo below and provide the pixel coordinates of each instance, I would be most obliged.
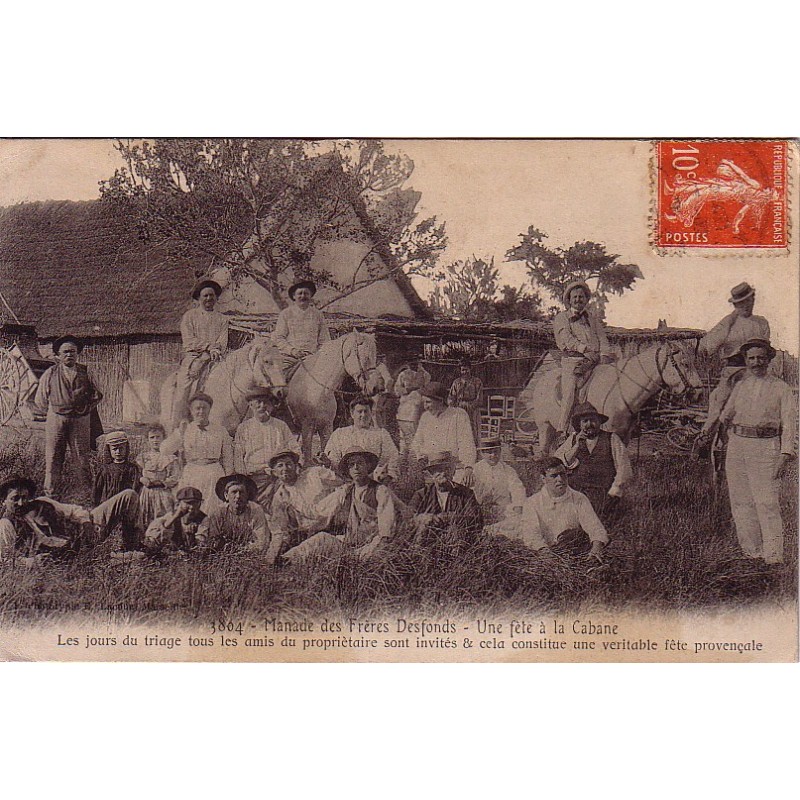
(399, 400)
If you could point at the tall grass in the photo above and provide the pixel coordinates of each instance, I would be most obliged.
(673, 548)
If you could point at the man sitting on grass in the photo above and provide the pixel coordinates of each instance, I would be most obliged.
(238, 525)
(559, 520)
(32, 527)
(445, 513)
(177, 530)
(359, 517)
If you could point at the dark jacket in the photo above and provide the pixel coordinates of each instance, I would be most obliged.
(461, 515)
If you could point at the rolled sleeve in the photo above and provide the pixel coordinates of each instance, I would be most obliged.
(788, 421)
(531, 526)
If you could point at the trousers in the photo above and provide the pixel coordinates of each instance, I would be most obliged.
(121, 509)
(569, 370)
(60, 431)
(754, 497)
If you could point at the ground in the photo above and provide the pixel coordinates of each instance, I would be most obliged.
(673, 549)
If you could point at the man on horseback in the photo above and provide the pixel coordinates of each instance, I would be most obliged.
(204, 339)
(301, 328)
(581, 338)
(726, 339)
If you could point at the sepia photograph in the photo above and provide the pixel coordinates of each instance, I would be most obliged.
(399, 400)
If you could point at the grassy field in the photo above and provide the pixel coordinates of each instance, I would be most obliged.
(673, 549)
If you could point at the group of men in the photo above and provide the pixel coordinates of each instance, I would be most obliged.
(273, 504)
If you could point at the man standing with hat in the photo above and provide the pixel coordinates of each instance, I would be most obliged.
(410, 381)
(258, 439)
(581, 338)
(240, 523)
(597, 461)
(359, 517)
(300, 329)
(68, 395)
(466, 392)
(204, 339)
(762, 415)
(445, 429)
(726, 339)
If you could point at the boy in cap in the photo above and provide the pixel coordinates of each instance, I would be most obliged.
(68, 395)
(725, 340)
(258, 439)
(597, 461)
(300, 329)
(443, 428)
(177, 529)
(762, 414)
(446, 513)
(32, 526)
(116, 471)
(581, 338)
(204, 339)
(359, 517)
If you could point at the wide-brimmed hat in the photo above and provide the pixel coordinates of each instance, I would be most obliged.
(442, 459)
(741, 292)
(17, 482)
(492, 443)
(261, 391)
(435, 390)
(284, 454)
(344, 464)
(201, 396)
(246, 481)
(203, 284)
(771, 351)
(67, 337)
(306, 284)
(574, 285)
(586, 410)
(189, 493)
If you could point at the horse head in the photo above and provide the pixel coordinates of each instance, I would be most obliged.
(677, 370)
(264, 360)
(360, 359)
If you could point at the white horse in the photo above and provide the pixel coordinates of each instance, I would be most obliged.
(253, 366)
(617, 390)
(311, 394)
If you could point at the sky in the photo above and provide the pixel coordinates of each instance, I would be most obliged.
(488, 192)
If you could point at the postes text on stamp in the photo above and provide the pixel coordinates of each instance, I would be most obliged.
(722, 194)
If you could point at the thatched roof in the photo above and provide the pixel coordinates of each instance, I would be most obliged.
(79, 267)
(82, 267)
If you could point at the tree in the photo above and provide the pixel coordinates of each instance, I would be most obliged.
(469, 290)
(260, 206)
(553, 268)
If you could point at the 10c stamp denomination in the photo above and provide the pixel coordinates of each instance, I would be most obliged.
(722, 194)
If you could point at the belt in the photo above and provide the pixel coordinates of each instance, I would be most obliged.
(203, 462)
(755, 432)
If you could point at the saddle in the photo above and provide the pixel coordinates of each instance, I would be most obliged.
(552, 361)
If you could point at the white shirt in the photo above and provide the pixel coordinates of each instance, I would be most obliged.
(374, 440)
(256, 442)
(619, 453)
(545, 518)
(450, 432)
(210, 444)
(8, 532)
(498, 484)
(298, 329)
(583, 335)
(202, 331)
(328, 506)
(731, 332)
(311, 486)
(764, 402)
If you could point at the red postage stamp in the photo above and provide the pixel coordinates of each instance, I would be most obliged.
(722, 194)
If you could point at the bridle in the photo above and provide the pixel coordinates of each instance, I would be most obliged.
(673, 362)
(355, 348)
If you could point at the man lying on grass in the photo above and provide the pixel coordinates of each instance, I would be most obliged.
(359, 517)
(559, 520)
(32, 528)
